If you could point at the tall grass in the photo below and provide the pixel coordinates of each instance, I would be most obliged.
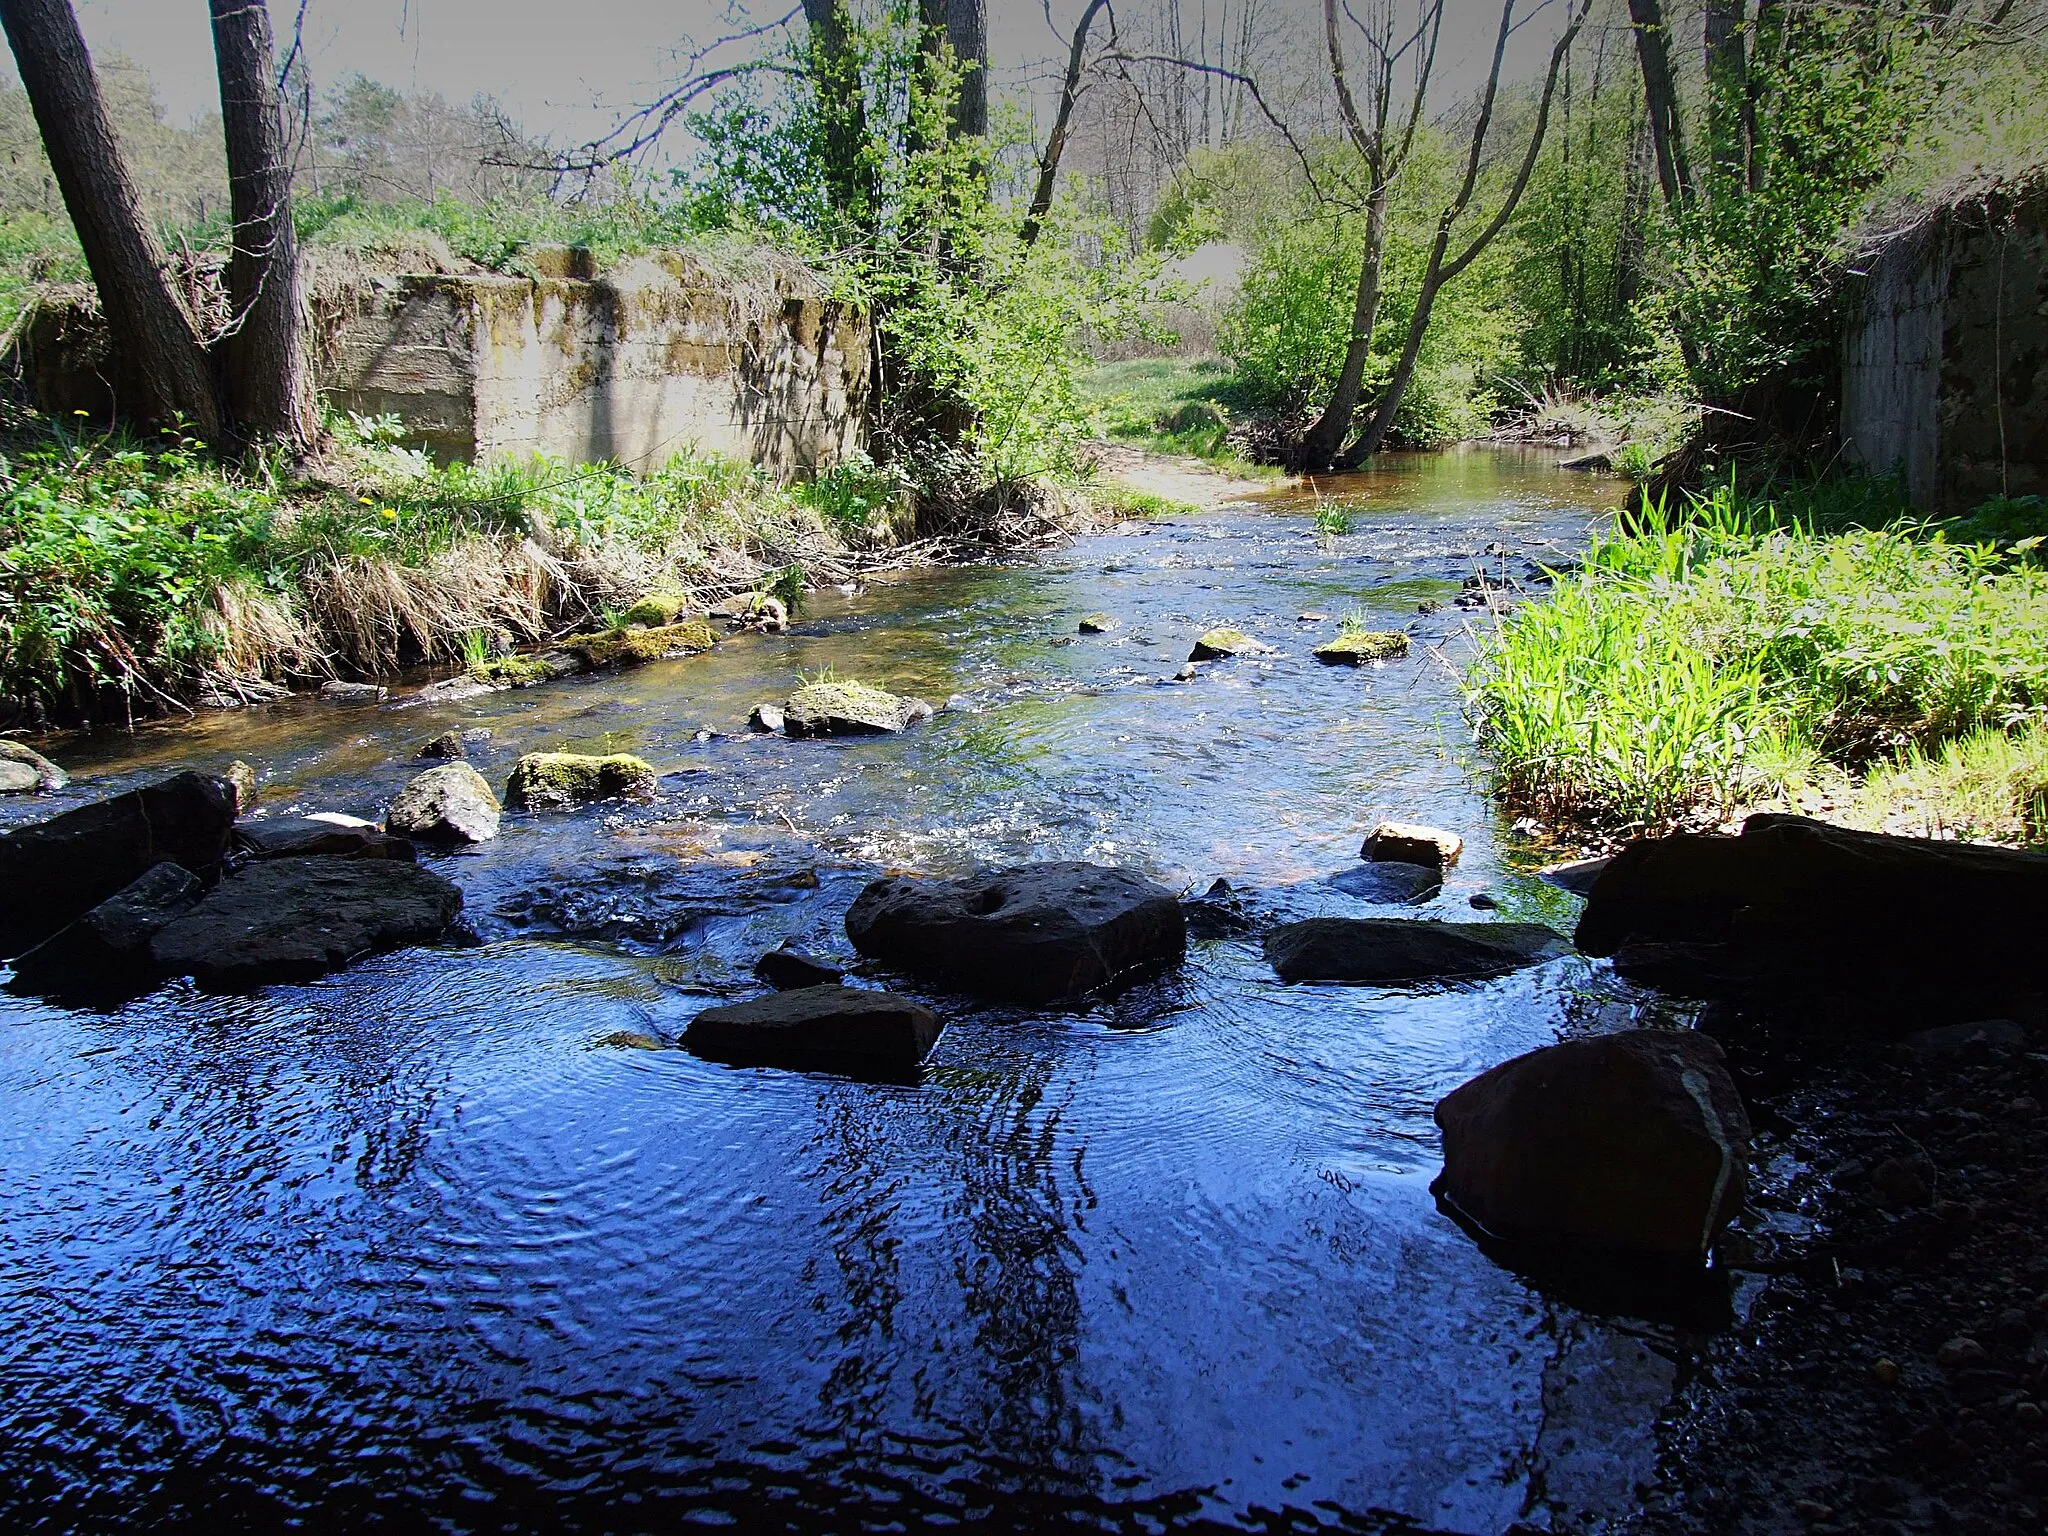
(1698, 656)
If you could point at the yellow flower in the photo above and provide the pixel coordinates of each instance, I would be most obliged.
(81, 413)
(366, 501)
(390, 514)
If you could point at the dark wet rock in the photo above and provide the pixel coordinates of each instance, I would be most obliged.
(452, 690)
(1904, 1182)
(319, 836)
(1482, 901)
(1096, 624)
(1358, 647)
(448, 747)
(291, 920)
(57, 870)
(1634, 1142)
(1384, 951)
(337, 692)
(449, 804)
(1691, 970)
(1033, 934)
(1577, 877)
(849, 709)
(1977, 1035)
(788, 969)
(549, 781)
(827, 1027)
(1219, 913)
(1405, 842)
(1217, 644)
(1389, 882)
(107, 950)
(1794, 905)
(25, 771)
(766, 717)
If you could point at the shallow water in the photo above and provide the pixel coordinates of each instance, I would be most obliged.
(420, 1243)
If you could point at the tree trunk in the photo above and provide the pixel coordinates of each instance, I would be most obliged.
(1660, 93)
(1320, 448)
(964, 24)
(269, 391)
(144, 310)
(834, 66)
(1056, 140)
(1732, 115)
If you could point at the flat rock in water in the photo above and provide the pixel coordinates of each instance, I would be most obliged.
(552, 781)
(291, 920)
(353, 693)
(1409, 842)
(1978, 1034)
(849, 709)
(60, 869)
(1219, 643)
(1577, 877)
(1389, 882)
(318, 836)
(449, 804)
(788, 969)
(107, 950)
(1357, 647)
(452, 690)
(1034, 934)
(1632, 1142)
(829, 1027)
(1096, 624)
(1384, 951)
(25, 771)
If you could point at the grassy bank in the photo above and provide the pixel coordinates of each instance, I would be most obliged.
(1820, 650)
(1168, 405)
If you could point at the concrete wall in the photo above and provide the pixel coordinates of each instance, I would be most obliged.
(1945, 357)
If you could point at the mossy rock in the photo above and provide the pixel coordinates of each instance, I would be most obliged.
(657, 610)
(550, 781)
(1356, 647)
(634, 647)
(517, 671)
(848, 709)
(1218, 643)
(1096, 623)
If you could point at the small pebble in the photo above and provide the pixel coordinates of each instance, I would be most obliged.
(1960, 1351)
(1887, 1372)
(2030, 1414)
(2025, 1107)
(1808, 1509)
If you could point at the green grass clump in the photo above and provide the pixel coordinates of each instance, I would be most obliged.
(1121, 501)
(499, 233)
(1170, 405)
(1698, 654)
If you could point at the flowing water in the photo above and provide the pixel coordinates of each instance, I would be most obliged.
(426, 1243)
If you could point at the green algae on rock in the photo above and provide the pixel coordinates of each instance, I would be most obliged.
(848, 709)
(546, 781)
(657, 610)
(1356, 647)
(1219, 643)
(633, 647)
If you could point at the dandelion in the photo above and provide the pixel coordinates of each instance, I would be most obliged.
(366, 501)
(389, 514)
(81, 413)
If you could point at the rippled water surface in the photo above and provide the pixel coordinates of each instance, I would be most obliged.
(423, 1243)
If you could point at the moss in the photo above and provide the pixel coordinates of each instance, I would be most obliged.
(656, 610)
(1218, 643)
(632, 647)
(518, 671)
(844, 709)
(554, 780)
(1355, 647)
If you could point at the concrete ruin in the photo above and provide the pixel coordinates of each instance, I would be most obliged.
(1945, 352)
(632, 365)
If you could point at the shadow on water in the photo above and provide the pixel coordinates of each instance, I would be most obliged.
(422, 1243)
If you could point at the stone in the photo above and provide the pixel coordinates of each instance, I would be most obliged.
(1357, 647)
(766, 717)
(1406, 842)
(338, 692)
(24, 771)
(828, 1027)
(107, 950)
(1632, 1142)
(1960, 1353)
(1598, 459)
(291, 920)
(1903, 1182)
(548, 781)
(847, 709)
(518, 671)
(318, 836)
(1576, 877)
(657, 610)
(57, 870)
(1954, 1039)
(1379, 951)
(1219, 643)
(1389, 882)
(452, 690)
(241, 778)
(1096, 624)
(787, 969)
(1483, 901)
(449, 804)
(1034, 934)
(635, 647)
(448, 747)
(1796, 906)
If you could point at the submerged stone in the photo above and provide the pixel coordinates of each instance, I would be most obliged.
(449, 804)
(788, 969)
(546, 781)
(1389, 882)
(830, 1027)
(1390, 951)
(1219, 643)
(1356, 647)
(849, 709)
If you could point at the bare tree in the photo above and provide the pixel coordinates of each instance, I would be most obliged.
(1062, 121)
(142, 303)
(1660, 94)
(1383, 159)
(1442, 268)
(269, 389)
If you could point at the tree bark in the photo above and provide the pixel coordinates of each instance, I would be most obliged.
(1056, 140)
(1732, 114)
(1660, 94)
(269, 391)
(1320, 448)
(842, 102)
(964, 24)
(144, 310)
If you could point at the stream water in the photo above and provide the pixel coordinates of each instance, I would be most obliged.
(424, 1244)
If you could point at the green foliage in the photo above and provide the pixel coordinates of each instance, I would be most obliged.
(1693, 651)
(497, 234)
(856, 495)
(1120, 501)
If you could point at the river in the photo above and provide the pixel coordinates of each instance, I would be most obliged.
(425, 1244)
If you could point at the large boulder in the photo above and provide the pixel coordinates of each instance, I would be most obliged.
(449, 804)
(1034, 934)
(291, 920)
(25, 771)
(1382, 951)
(830, 1027)
(849, 709)
(1634, 1142)
(107, 950)
(1794, 905)
(60, 869)
(552, 781)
